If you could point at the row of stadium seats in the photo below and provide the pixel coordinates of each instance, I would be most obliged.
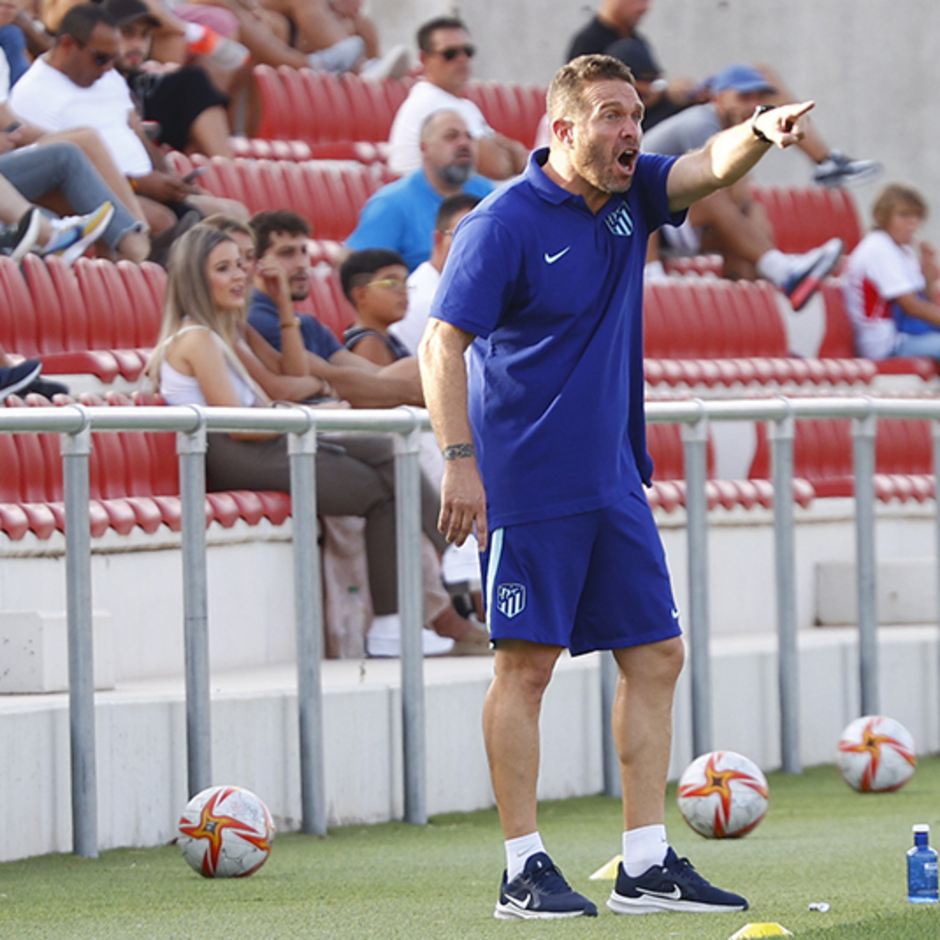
(822, 465)
(133, 479)
(334, 113)
(134, 475)
(103, 319)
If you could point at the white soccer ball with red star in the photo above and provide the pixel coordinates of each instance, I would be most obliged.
(226, 832)
(723, 795)
(876, 754)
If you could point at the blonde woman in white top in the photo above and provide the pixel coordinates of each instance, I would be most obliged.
(202, 358)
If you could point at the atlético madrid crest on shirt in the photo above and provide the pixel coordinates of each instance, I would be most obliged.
(620, 221)
(510, 599)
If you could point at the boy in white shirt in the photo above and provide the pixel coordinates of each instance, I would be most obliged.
(889, 287)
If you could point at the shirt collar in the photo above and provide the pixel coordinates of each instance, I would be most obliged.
(550, 191)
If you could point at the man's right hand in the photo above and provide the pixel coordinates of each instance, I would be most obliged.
(463, 502)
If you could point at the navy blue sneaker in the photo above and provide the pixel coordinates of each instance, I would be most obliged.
(673, 886)
(540, 892)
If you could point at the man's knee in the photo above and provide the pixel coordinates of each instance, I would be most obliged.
(528, 667)
(659, 663)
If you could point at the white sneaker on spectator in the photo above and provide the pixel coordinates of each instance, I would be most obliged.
(809, 270)
(394, 64)
(73, 234)
(383, 640)
(342, 56)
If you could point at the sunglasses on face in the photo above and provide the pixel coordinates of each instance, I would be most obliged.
(101, 58)
(451, 52)
(390, 283)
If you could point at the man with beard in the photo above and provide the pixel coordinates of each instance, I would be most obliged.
(189, 109)
(549, 462)
(282, 238)
(400, 216)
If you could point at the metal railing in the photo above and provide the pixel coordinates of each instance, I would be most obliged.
(191, 424)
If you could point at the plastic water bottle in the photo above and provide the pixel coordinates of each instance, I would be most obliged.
(922, 868)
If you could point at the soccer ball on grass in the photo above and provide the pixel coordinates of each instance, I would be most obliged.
(226, 832)
(876, 754)
(723, 795)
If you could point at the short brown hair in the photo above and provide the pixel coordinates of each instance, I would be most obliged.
(276, 222)
(565, 97)
(892, 196)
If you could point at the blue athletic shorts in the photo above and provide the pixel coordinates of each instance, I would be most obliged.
(591, 581)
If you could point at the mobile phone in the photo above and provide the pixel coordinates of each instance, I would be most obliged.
(194, 174)
(15, 126)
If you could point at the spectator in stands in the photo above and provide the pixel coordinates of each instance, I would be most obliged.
(617, 20)
(730, 222)
(74, 85)
(446, 51)
(203, 358)
(282, 239)
(375, 283)
(59, 173)
(423, 281)
(890, 281)
(324, 24)
(400, 216)
(189, 109)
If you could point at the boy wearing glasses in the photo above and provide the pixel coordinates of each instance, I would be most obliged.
(445, 52)
(375, 283)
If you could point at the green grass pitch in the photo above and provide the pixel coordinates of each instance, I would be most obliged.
(820, 841)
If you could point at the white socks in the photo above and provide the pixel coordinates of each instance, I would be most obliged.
(643, 848)
(775, 266)
(519, 851)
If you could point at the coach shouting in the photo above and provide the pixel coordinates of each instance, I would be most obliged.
(549, 461)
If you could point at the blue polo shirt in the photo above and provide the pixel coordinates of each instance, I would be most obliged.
(264, 317)
(401, 215)
(555, 294)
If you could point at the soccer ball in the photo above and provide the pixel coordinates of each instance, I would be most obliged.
(876, 754)
(723, 795)
(226, 832)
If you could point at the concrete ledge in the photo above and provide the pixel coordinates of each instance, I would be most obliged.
(141, 734)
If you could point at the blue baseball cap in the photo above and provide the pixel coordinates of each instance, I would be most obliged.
(740, 77)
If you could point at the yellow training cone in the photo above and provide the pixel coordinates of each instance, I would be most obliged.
(608, 872)
(760, 930)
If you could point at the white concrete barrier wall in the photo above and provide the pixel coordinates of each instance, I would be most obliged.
(141, 735)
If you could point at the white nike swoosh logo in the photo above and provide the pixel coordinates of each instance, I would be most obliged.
(525, 902)
(675, 614)
(551, 259)
(674, 895)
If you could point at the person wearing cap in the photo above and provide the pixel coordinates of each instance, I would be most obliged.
(189, 109)
(731, 222)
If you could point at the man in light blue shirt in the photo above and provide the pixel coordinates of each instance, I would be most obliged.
(401, 216)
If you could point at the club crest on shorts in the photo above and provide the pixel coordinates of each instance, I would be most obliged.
(510, 599)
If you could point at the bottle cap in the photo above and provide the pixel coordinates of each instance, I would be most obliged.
(920, 827)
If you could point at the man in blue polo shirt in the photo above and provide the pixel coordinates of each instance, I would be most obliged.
(546, 275)
(400, 216)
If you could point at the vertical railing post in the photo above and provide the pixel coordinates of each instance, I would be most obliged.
(864, 431)
(308, 601)
(411, 613)
(75, 450)
(191, 447)
(610, 675)
(788, 666)
(695, 446)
